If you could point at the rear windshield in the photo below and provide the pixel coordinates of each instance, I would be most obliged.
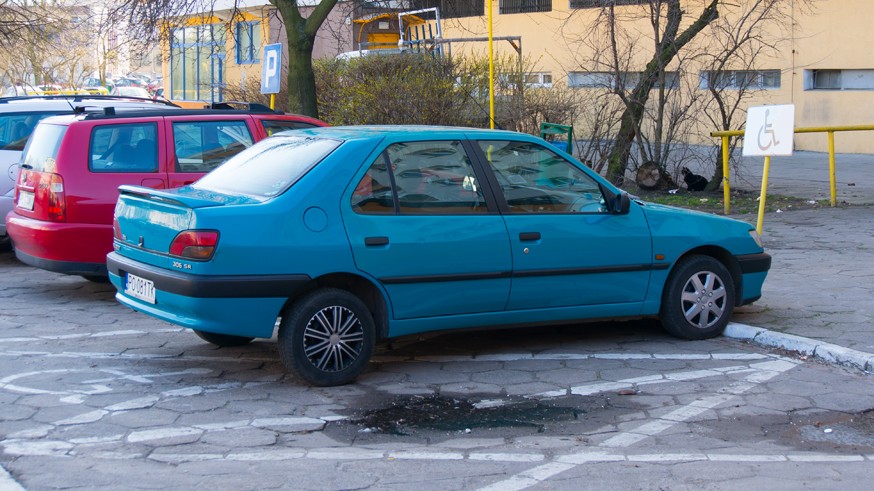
(268, 168)
(16, 127)
(42, 148)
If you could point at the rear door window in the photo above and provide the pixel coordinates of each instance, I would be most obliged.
(131, 147)
(201, 146)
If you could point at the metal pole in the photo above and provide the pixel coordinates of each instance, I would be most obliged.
(763, 195)
(491, 71)
(726, 186)
(272, 101)
(831, 167)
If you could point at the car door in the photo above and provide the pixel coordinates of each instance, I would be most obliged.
(568, 249)
(420, 224)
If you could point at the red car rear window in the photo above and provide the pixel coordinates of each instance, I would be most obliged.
(42, 148)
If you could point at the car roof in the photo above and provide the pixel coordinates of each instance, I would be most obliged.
(424, 132)
(125, 113)
(70, 102)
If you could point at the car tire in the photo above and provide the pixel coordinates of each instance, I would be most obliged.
(223, 340)
(326, 337)
(698, 299)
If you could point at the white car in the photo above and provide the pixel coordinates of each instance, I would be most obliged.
(19, 116)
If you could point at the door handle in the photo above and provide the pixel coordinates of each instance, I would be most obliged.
(529, 236)
(375, 241)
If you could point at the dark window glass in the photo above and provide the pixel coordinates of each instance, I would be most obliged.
(124, 148)
(586, 4)
(201, 146)
(452, 9)
(524, 6)
(15, 128)
(534, 179)
(273, 126)
(430, 177)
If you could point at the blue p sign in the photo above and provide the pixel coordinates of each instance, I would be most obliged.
(271, 65)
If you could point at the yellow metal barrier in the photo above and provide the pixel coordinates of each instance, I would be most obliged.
(830, 130)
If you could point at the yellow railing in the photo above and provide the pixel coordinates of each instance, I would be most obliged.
(725, 135)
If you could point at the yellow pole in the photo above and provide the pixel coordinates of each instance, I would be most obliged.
(726, 187)
(763, 195)
(831, 167)
(491, 72)
(272, 101)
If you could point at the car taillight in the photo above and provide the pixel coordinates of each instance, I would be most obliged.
(116, 229)
(55, 205)
(194, 244)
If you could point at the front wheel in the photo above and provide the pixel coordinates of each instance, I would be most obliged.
(698, 299)
(223, 340)
(326, 337)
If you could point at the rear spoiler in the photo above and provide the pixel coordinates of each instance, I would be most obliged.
(192, 198)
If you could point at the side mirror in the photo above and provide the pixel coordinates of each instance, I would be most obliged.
(622, 204)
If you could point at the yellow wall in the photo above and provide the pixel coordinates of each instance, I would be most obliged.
(827, 38)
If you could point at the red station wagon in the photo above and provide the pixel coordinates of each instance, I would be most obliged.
(73, 164)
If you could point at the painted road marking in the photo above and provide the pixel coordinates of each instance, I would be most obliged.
(764, 371)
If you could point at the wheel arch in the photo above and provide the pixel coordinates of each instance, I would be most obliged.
(727, 259)
(357, 285)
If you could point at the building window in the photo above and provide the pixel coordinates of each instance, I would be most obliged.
(197, 55)
(839, 80)
(538, 79)
(740, 79)
(524, 6)
(248, 41)
(588, 4)
(452, 9)
(609, 80)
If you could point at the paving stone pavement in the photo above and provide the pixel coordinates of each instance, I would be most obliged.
(821, 282)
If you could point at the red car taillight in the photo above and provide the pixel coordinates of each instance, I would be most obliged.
(194, 244)
(116, 228)
(57, 205)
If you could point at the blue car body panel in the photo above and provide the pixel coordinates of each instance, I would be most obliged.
(432, 272)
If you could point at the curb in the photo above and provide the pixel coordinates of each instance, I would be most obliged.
(827, 352)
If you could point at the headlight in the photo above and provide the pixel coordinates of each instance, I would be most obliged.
(758, 238)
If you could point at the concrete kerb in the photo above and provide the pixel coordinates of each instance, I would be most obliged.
(827, 352)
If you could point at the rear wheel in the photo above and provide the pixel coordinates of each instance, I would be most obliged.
(327, 337)
(698, 299)
(223, 340)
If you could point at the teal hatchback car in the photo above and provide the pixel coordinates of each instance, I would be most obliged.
(353, 235)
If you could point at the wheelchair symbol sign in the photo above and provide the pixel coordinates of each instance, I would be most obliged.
(271, 69)
(769, 130)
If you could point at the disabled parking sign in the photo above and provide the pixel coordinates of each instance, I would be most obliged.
(271, 69)
(769, 130)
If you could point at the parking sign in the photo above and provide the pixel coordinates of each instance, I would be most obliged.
(271, 65)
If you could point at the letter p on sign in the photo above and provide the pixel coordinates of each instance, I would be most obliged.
(271, 69)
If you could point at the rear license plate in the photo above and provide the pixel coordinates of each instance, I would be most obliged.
(25, 200)
(140, 288)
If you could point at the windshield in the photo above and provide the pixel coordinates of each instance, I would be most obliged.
(268, 168)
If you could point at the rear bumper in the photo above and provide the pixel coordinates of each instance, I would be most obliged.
(237, 305)
(71, 248)
(64, 267)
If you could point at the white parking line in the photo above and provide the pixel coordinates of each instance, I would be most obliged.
(764, 372)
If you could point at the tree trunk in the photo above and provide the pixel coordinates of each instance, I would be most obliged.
(634, 109)
(301, 34)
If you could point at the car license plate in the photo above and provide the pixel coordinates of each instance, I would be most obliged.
(140, 288)
(25, 200)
